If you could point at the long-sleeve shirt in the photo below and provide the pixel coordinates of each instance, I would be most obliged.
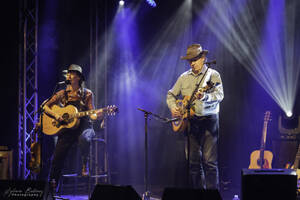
(186, 84)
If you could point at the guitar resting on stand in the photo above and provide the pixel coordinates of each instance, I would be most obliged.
(262, 159)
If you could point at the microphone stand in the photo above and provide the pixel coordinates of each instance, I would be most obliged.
(147, 194)
(188, 130)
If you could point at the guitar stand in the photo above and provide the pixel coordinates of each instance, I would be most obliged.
(147, 193)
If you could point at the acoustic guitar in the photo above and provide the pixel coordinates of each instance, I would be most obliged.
(262, 159)
(181, 124)
(71, 118)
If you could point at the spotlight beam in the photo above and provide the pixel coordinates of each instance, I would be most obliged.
(267, 59)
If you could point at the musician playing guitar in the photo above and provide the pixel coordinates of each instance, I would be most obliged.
(205, 121)
(82, 98)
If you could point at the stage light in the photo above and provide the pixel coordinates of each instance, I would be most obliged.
(289, 113)
(151, 3)
(267, 52)
(121, 3)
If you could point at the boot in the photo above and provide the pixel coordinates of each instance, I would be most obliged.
(52, 187)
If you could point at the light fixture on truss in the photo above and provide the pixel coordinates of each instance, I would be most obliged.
(151, 3)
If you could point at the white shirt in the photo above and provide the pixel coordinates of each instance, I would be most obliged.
(186, 84)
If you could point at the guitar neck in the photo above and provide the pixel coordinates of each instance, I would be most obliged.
(88, 112)
(264, 136)
(263, 139)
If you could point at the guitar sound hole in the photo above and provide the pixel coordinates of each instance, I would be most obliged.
(65, 116)
(67, 119)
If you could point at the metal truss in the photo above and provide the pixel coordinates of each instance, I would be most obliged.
(28, 97)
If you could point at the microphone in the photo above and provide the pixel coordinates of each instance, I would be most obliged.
(172, 120)
(67, 82)
(64, 73)
(211, 62)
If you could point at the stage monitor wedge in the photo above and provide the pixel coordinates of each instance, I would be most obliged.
(109, 192)
(262, 184)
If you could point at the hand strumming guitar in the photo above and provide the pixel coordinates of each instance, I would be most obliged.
(52, 113)
(176, 112)
(58, 117)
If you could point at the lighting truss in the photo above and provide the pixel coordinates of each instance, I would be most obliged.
(27, 106)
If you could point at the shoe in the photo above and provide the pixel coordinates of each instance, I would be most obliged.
(85, 170)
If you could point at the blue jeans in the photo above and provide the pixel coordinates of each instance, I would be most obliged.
(204, 136)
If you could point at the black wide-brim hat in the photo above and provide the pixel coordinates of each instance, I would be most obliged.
(194, 51)
(76, 68)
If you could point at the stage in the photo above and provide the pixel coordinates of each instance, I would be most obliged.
(127, 65)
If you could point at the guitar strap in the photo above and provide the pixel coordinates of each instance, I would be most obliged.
(197, 86)
(65, 101)
(82, 97)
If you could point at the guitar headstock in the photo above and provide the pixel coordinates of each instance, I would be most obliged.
(267, 116)
(111, 110)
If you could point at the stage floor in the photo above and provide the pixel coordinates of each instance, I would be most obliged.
(156, 193)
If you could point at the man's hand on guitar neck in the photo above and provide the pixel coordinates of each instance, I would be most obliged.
(176, 112)
(98, 115)
(93, 116)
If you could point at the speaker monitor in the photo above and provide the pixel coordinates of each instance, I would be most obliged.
(262, 184)
(190, 194)
(109, 192)
(22, 190)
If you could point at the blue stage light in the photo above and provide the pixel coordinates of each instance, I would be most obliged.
(151, 3)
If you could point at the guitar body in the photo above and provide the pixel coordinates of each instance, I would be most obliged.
(70, 116)
(255, 160)
(51, 126)
(262, 159)
(181, 124)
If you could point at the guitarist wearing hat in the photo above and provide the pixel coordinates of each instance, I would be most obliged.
(204, 121)
(82, 98)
